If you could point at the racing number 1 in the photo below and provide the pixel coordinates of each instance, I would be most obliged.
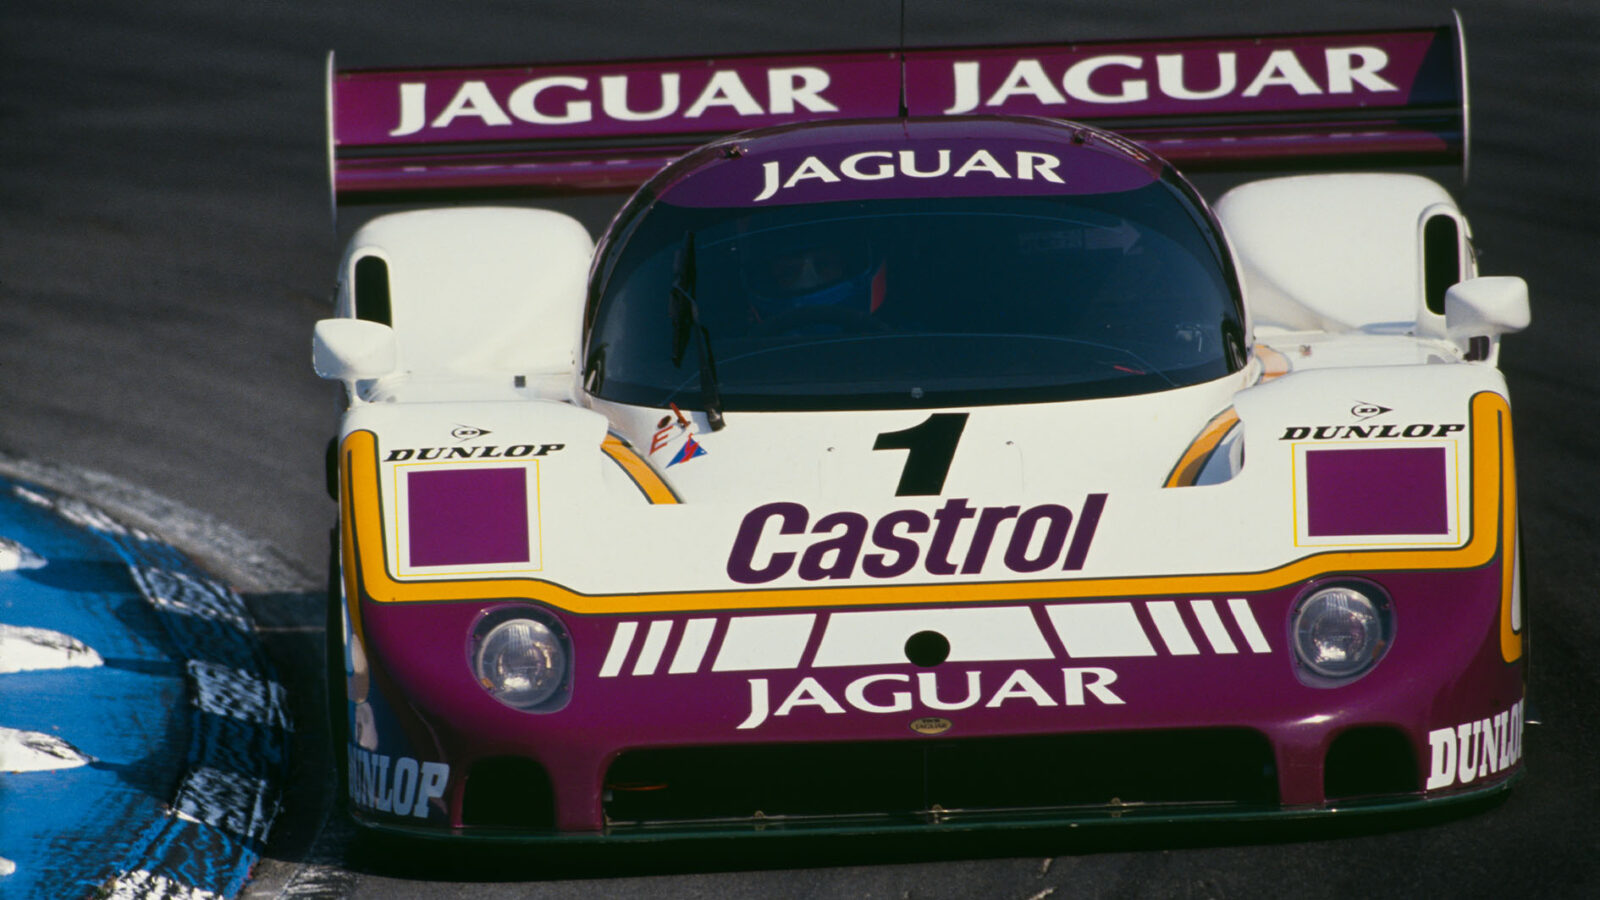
(932, 446)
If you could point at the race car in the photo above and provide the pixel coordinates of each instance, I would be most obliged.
(917, 448)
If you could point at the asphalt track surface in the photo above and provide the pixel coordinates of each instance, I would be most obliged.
(165, 246)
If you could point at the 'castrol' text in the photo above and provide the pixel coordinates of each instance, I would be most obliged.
(775, 539)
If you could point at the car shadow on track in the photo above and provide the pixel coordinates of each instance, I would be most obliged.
(434, 860)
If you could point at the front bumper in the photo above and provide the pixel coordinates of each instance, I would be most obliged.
(679, 725)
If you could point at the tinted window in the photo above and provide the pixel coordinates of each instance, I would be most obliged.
(1441, 259)
(923, 302)
(372, 290)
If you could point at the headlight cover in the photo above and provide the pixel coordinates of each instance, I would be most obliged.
(1340, 631)
(522, 657)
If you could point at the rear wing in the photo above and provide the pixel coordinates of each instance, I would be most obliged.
(1347, 99)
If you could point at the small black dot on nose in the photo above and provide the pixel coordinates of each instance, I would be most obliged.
(927, 649)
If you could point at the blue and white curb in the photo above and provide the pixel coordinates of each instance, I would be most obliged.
(32, 751)
(143, 738)
(33, 649)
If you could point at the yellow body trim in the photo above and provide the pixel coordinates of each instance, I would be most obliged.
(1273, 363)
(1490, 456)
(1511, 640)
(1193, 459)
(645, 477)
(347, 544)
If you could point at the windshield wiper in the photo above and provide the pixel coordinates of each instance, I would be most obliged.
(686, 325)
(595, 377)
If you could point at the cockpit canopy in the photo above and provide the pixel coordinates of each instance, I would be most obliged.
(898, 265)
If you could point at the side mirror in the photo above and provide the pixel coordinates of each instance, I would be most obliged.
(351, 350)
(1486, 307)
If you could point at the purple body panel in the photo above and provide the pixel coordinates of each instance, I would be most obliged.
(908, 159)
(1444, 669)
(1393, 490)
(1390, 94)
(1096, 81)
(622, 99)
(460, 517)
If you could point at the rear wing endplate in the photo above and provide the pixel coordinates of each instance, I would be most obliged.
(1348, 99)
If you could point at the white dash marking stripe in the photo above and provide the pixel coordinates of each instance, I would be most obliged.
(1211, 624)
(144, 885)
(655, 643)
(692, 646)
(764, 642)
(1246, 620)
(878, 637)
(77, 512)
(181, 593)
(1169, 624)
(621, 642)
(14, 557)
(34, 751)
(24, 649)
(1100, 630)
(223, 691)
(235, 803)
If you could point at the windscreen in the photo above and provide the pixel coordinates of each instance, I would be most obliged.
(901, 303)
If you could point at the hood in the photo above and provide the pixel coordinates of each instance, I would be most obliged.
(1032, 451)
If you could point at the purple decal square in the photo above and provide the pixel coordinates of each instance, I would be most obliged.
(1390, 490)
(468, 516)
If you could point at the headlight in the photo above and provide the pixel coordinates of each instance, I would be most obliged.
(1341, 631)
(521, 661)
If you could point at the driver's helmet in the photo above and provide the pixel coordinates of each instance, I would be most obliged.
(785, 271)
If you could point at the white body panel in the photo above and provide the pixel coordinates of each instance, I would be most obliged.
(1029, 450)
(597, 535)
(1338, 252)
(478, 291)
(487, 307)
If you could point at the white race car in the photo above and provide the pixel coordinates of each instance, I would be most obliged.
(924, 456)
